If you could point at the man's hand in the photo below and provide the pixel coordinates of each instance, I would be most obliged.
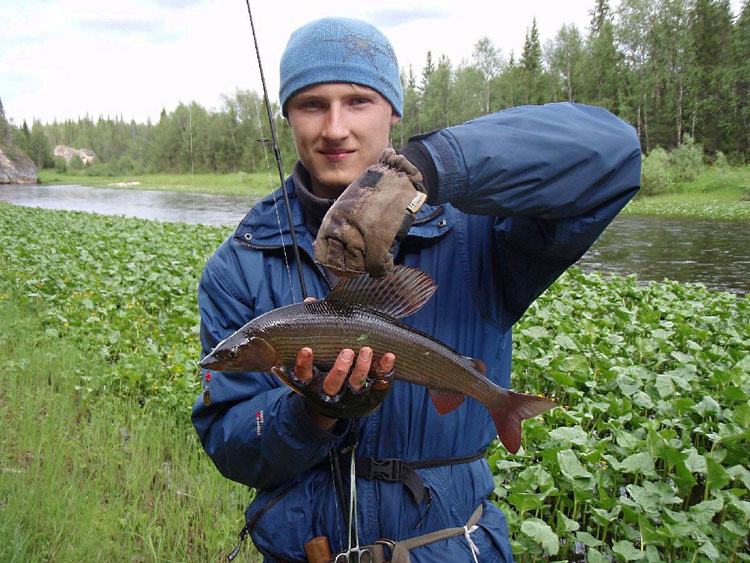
(378, 208)
(334, 380)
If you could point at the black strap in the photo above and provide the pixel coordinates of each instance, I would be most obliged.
(394, 469)
(243, 534)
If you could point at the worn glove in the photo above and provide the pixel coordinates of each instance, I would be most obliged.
(376, 210)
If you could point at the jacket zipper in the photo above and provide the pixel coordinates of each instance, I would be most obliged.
(430, 217)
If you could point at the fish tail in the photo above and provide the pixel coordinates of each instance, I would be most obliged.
(511, 410)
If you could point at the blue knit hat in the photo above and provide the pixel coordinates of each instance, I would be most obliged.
(340, 50)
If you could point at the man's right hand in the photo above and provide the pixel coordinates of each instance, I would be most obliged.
(334, 380)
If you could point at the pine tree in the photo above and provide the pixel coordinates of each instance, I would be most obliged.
(742, 80)
(531, 64)
(602, 60)
(436, 95)
(6, 131)
(39, 146)
(600, 15)
(711, 79)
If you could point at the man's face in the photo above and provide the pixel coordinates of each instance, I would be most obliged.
(339, 130)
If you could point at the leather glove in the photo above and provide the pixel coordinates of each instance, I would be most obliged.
(376, 210)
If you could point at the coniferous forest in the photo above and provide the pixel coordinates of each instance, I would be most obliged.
(671, 68)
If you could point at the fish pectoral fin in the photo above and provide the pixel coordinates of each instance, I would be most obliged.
(281, 373)
(446, 401)
(478, 364)
(264, 355)
(399, 294)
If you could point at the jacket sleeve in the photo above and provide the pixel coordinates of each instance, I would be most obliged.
(255, 430)
(553, 177)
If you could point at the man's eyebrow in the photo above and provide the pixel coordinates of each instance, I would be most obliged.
(307, 97)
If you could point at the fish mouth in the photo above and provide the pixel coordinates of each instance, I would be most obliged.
(208, 362)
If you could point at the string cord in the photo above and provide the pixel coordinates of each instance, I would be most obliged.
(277, 154)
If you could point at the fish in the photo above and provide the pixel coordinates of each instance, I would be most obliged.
(366, 311)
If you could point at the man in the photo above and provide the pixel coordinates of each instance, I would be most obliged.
(514, 198)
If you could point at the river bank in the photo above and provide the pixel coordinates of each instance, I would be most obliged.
(716, 193)
(254, 185)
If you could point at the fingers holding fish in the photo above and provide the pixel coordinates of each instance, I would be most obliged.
(303, 365)
(359, 379)
(335, 379)
(384, 371)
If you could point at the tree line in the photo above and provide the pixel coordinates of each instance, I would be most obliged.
(671, 68)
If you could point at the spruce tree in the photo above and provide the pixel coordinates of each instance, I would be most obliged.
(711, 79)
(531, 64)
(742, 80)
(6, 130)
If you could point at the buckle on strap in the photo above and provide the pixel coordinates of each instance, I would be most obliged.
(391, 469)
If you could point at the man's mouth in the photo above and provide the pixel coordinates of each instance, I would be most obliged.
(336, 155)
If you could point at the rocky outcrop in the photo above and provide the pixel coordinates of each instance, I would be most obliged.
(16, 167)
(87, 156)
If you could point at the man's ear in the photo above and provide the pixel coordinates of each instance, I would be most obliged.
(394, 119)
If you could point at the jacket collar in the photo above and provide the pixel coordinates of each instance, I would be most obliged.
(266, 224)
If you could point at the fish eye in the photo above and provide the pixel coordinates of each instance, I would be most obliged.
(232, 352)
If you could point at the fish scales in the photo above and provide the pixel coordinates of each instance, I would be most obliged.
(327, 328)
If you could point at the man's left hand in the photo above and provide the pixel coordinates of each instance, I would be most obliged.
(377, 209)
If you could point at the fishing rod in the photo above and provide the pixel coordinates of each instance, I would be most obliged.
(333, 455)
(277, 155)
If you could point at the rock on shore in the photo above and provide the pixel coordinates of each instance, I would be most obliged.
(16, 167)
(87, 156)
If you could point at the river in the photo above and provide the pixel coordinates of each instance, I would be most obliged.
(715, 253)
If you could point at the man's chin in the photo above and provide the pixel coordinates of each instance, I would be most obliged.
(331, 185)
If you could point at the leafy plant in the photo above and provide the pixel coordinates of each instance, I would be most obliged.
(656, 173)
(644, 459)
(687, 160)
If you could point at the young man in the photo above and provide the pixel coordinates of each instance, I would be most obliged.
(514, 198)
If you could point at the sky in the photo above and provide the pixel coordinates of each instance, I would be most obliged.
(131, 58)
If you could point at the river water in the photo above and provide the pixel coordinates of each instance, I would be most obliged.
(715, 253)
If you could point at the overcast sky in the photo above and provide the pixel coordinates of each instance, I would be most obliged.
(64, 59)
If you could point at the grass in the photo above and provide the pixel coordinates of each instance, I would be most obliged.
(99, 479)
(717, 193)
(240, 183)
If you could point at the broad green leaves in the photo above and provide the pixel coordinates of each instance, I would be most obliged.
(125, 289)
(647, 453)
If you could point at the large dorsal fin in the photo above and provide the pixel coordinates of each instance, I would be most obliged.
(402, 292)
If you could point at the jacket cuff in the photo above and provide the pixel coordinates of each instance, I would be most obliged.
(419, 156)
(449, 181)
(299, 411)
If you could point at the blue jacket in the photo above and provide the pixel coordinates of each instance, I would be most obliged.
(523, 193)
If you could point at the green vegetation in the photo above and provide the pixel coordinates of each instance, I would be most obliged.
(644, 460)
(713, 192)
(647, 457)
(253, 185)
(98, 480)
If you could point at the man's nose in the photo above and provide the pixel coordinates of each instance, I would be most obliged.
(335, 127)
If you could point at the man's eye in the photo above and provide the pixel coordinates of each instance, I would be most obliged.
(311, 104)
(360, 101)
